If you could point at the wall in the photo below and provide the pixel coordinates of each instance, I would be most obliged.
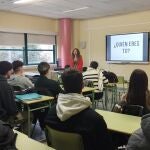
(15, 22)
(93, 32)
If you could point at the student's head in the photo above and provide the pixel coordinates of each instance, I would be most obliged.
(6, 69)
(72, 81)
(84, 69)
(94, 64)
(17, 66)
(138, 85)
(67, 66)
(43, 68)
(75, 52)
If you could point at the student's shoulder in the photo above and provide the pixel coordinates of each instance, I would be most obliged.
(93, 115)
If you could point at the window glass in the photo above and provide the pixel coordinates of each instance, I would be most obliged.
(35, 57)
(11, 56)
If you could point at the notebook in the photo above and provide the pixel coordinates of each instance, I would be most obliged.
(29, 96)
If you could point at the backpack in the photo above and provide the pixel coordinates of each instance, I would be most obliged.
(111, 76)
(7, 137)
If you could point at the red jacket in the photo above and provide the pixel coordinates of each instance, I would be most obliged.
(79, 64)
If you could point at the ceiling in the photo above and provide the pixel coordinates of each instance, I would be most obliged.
(96, 8)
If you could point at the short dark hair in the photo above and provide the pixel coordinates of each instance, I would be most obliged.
(67, 66)
(17, 64)
(5, 66)
(43, 68)
(94, 64)
(84, 69)
(72, 81)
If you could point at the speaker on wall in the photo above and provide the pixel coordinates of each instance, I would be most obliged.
(82, 44)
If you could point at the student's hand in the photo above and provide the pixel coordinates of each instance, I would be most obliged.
(19, 116)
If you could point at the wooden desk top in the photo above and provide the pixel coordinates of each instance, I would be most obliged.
(23, 142)
(120, 122)
(88, 89)
(42, 99)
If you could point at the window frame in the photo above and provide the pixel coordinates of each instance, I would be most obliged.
(25, 50)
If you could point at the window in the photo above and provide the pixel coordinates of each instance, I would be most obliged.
(11, 46)
(40, 48)
(29, 48)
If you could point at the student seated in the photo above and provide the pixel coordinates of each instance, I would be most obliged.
(138, 93)
(73, 113)
(97, 77)
(140, 139)
(8, 109)
(18, 79)
(47, 87)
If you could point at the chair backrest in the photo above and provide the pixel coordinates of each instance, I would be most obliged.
(135, 110)
(88, 83)
(16, 88)
(121, 80)
(63, 140)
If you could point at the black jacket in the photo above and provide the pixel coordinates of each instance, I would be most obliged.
(52, 86)
(7, 101)
(87, 123)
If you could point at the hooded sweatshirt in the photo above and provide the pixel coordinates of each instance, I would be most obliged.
(140, 139)
(71, 104)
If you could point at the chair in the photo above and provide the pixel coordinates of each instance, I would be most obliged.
(97, 94)
(63, 140)
(120, 86)
(16, 88)
(135, 110)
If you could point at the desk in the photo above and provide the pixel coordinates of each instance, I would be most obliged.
(29, 103)
(88, 89)
(120, 122)
(23, 142)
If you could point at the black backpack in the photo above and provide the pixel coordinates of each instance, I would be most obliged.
(111, 76)
(7, 137)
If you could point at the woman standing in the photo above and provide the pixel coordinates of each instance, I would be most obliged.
(77, 61)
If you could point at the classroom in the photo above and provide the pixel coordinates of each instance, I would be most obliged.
(110, 36)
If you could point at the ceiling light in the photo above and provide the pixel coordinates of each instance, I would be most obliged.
(23, 1)
(66, 11)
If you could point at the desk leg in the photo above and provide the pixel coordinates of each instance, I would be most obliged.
(29, 121)
(106, 98)
(93, 102)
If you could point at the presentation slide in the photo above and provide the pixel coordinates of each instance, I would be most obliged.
(127, 47)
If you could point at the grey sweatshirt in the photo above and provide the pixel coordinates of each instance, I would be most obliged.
(140, 139)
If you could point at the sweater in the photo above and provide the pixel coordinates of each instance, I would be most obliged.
(48, 84)
(21, 81)
(7, 101)
(140, 139)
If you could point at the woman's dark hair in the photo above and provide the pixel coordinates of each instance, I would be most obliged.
(43, 68)
(72, 81)
(94, 64)
(138, 85)
(16, 65)
(78, 53)
(5, 66)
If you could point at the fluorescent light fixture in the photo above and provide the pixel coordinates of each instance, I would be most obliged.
(66, 11)
(23, 1)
